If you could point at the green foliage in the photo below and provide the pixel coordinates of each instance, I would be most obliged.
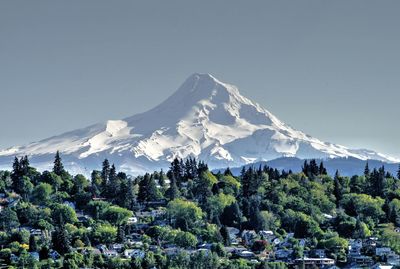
(185, 240)
(8, 219)
(65, 212)
(116, 215)
(41, 193)
(184, 214)
(103, 233)
(217, 203)
(364, 206)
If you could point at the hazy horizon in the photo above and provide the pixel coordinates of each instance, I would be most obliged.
(329, 69)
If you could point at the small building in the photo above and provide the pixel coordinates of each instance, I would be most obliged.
(249, 236)
(383, 251)
(134, 253)
(283, 254)
(318, 253)
(380, 266)
(362, 260)
(117, 247)
(246, 254)
(110, 253)
(315, 262)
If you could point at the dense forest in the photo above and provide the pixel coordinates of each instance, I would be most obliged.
(184, 217)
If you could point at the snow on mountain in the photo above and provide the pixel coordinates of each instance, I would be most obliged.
(204, 118)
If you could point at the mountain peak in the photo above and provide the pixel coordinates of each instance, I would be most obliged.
(205, 118)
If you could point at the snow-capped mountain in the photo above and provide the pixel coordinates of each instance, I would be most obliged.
(205, 118)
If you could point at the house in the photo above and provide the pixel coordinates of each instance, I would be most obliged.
(318, 253)
(393, 259)
(117, 247)
(102, 248)
(172, 251)
(379, 266)
(355, 246)
(54, 255)
(110, 253)
(267, 235)
(362, 260)
(383, 251)
(37, 232)
(249, 236)
(34, 255)
(276, 241)
(283, 254)
(83, 218)
(204, 246)
(134, 253)
(246, 254)
(135, 243)
(234, 250)
(233, 232)
(70, 204)
(132, 220)
(315, 262)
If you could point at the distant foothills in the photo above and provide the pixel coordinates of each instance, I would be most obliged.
(191, 217)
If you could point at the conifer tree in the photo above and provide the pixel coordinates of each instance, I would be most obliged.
(58, 167)
(147, 189)
(33, 247)
(173, 191)
(176, 170)
(366, 170)
(24, 165)
(16, 174)
(314, 170)
(105, 172)
(113, 174)
(337, 191)
(322, 169)
(60, 239)
(225, 236)
(121, 234)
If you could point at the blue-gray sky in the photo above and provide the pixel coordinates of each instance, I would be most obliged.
(329, 68)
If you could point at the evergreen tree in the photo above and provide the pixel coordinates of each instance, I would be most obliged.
(306, 168)
(225, 236)
(60, 238)
(58, 167)
(337, 191)
(176, 170)
(33, 247)
(148, 189)
(24, 164)
(314, 170)
(232, 216)
(128, 194)
(228, 172)
(173, 191)
(121, 234)
(105, 172)
(322, 169)
(366, 170)
(113, 174)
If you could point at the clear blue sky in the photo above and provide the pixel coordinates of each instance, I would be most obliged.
(329, 68)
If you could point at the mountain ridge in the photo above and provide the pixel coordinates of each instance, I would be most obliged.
(204, 118)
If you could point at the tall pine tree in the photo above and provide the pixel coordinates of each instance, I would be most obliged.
(105, 173)
(58, 167)
(366, 170)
